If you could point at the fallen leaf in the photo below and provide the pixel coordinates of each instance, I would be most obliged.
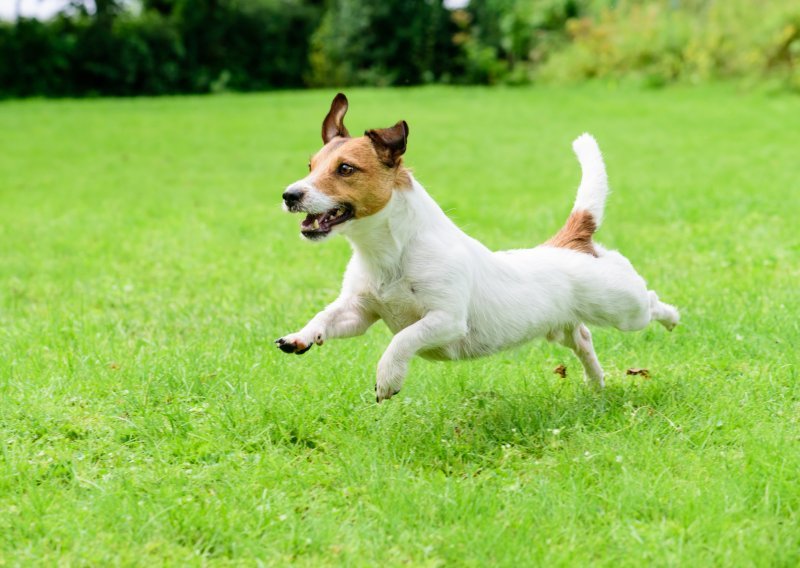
(641, 372)
(561, 371)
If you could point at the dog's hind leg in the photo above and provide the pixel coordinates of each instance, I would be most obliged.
(579, 339)
(664, 314)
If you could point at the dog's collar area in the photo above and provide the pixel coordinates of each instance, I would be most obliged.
(319, 225)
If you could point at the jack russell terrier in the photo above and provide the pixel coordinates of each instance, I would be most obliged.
(442, 293)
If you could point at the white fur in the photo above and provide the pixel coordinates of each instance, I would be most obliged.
(314, 201)
(593, 191)
(446, 296)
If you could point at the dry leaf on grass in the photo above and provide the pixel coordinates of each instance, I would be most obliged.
(561, 371)
(641, 372)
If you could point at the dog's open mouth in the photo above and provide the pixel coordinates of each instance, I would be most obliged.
(319, 225)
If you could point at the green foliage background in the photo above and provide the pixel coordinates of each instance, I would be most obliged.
(197, 46)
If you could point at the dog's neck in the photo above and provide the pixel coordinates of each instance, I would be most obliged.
(382, 239)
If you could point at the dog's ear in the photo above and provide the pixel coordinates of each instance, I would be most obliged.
(390, 143)
(333, 125)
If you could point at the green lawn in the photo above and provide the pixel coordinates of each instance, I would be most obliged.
(146, 267)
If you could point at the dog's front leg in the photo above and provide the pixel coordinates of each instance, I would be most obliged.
(346, 317)
(435, 329)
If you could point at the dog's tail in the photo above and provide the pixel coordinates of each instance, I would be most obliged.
(587, 213)
(593, 190)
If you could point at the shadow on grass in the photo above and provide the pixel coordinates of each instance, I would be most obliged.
(461, 433)
(479, 428)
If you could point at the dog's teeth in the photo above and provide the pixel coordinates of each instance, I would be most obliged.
(315, 225)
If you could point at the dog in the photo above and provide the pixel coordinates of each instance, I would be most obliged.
(443, 294)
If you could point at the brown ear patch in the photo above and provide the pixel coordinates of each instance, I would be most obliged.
(390, 143)
(333, 125)
(576, 234)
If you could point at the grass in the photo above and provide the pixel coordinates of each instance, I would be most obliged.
(146, 267)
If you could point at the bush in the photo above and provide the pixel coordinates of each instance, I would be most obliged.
(505, 40)
(198, 46)
(665, 41)
(172, 46)
(245, 44)
(383, 42)
(35, 58)
(125, 56)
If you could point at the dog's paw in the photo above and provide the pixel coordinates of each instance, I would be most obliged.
(300, 342)
(391, 374)
(384, 393)
(670, 317)
(291, 344)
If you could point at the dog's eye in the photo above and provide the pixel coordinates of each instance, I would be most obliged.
(345, 170)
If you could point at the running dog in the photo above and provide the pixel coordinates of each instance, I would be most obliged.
(443, 294)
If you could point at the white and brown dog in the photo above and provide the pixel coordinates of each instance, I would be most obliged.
(443, 294)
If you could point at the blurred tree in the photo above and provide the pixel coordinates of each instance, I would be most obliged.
(383, 42)
(163, 7)
(107, 8)
(245, 44)
(173, 46)
(35, 58)
(507, 38)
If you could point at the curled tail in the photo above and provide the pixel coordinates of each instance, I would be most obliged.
(587, 213)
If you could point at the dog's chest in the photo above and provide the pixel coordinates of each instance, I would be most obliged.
(396, 303)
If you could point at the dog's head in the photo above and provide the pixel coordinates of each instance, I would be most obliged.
(349, 178)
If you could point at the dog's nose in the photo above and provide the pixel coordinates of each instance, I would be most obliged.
(293, 196)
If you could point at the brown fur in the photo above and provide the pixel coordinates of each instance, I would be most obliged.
(377, 157)
(576, 234)
(390, 143)
(333, 125)
(370, 187)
